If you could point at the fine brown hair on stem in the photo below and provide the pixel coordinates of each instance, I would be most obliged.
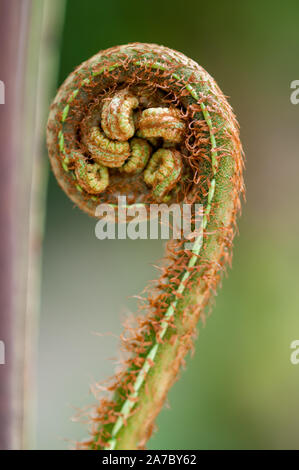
(190, 153)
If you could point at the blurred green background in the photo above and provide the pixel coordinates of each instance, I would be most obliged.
(239, 390)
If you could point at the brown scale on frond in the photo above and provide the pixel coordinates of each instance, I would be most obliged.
(144, 81)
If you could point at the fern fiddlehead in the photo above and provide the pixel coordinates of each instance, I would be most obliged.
(146, 122)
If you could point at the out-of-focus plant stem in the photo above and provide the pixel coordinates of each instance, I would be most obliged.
(28, 35)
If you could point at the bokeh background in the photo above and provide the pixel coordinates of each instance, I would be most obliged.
(239, 390)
